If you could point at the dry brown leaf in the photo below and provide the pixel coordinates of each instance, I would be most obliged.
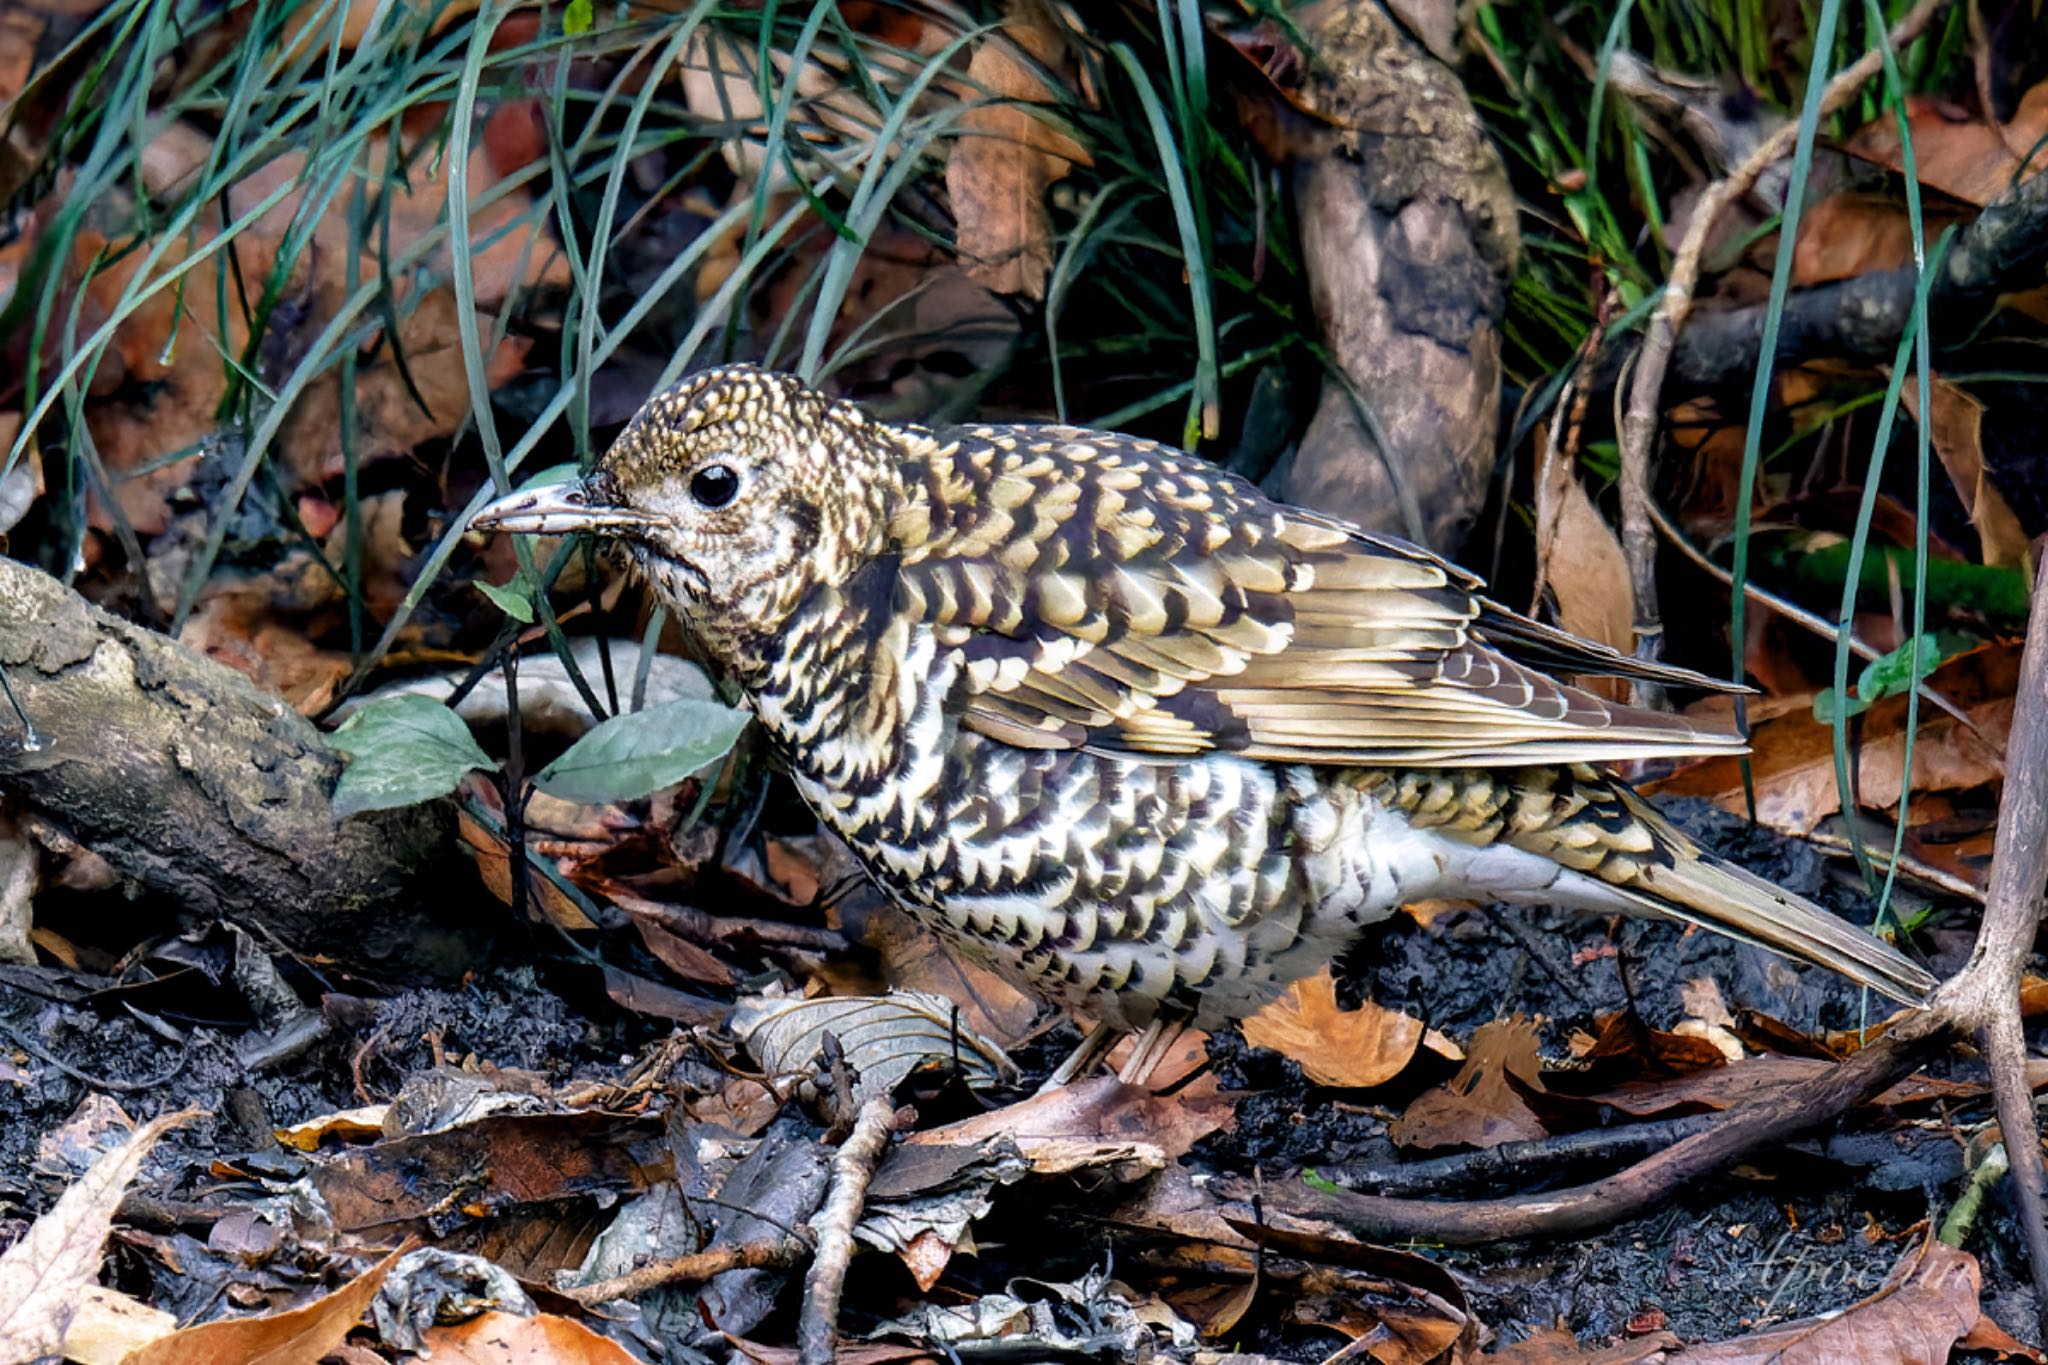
(163, 379)
(43, 1274)
(364, 1124)
(508, 1339)
(109, 1326)
(1926, 1305)
(1480, 1107)
(1793, 756)
(1957, 433)
(1959, 152)
(1006, 157)
(1580, 560)
(912, 958)
(1364, 1047)
(494, 861)
(288, 1338)
(1101, 1108)
(1851, 233)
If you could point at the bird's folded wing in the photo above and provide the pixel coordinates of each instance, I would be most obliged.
(1108, 594)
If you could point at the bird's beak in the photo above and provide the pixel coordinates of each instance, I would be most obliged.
(557, 509)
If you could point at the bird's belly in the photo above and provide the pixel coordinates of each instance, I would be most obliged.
(1120, 887)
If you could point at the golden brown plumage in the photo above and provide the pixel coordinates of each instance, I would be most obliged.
(1119, 724)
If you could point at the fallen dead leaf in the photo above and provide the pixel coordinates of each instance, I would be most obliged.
(1364, 1047)
(306, 1333)
(1793, 759)
(43, 1274)
(1405, 1308)
(109, 1326)
(1579, 559)
(1927, 1305)
(1046, 1128)
(1006, 157)
(508, 1339)
(1957, 435)
(1957, 151)
(1559, 1347)
(1480, 1107)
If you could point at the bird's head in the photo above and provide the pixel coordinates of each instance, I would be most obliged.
(738, 492)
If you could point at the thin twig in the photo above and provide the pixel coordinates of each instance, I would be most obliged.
(1646, 388)
(817, 1330)
(777, 1253)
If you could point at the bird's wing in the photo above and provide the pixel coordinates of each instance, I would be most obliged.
(1108, 593)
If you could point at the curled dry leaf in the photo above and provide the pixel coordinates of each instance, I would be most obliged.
(43, 1274)
(884, 1038)
(1559, 1347)
(1364, 1047)
(1959, 153)
(1099, 1121)
(1480, 1106)
(1957, 434)
(1579, 559)
(306, 1333)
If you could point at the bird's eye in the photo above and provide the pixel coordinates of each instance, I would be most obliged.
(714, 485)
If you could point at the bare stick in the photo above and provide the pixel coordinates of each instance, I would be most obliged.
(774, 1254)
(1639, 1188)
(1987, 993)
(1639, 424)
(817, 1329)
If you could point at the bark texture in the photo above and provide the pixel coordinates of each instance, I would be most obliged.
(193, 782)
(1408, 231)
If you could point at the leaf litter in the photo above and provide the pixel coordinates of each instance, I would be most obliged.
(650, 1078)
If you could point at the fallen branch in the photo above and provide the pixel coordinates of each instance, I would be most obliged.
(1646, 387)
(1982, 999)
(2003, 250)
(817, 1329)
(777, 1253)
(192, 781)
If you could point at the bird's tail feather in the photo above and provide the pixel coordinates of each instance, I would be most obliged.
(1697, 887)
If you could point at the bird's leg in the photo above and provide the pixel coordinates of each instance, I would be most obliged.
(1153, 1047)
(1083, 1059)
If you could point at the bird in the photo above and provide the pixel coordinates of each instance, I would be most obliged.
(1116, 724)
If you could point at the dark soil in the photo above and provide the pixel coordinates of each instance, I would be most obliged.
(1805, 1230)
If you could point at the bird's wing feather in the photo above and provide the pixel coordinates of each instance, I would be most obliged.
(1111, 594)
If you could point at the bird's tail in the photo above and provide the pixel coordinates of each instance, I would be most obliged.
(1684, 882)
(1622, 855)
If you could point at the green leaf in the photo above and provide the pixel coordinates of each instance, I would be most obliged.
(640, 752)
(403, 750)
(1827, 699)
(513, 599)
(1894, 674)
(578, 17)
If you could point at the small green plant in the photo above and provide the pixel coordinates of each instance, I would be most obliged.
(1888, 675)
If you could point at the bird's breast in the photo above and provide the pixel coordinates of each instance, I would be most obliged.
(1105, 881)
